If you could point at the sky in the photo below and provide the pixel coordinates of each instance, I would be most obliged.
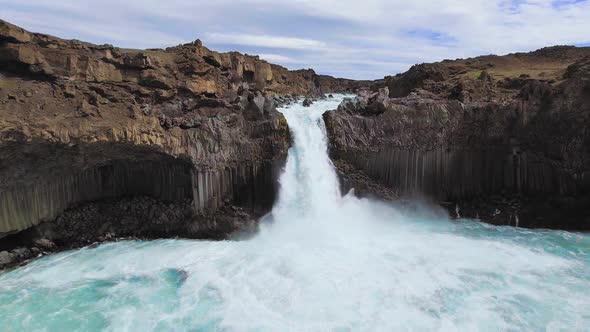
(360, 39)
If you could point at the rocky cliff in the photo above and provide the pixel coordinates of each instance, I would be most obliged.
(97, 140)
(500, 138)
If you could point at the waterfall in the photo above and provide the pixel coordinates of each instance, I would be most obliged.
(309, 182)
(321, 262)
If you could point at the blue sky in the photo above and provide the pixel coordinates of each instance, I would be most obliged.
(365, 39)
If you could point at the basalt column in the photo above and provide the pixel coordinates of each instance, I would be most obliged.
(40, 181)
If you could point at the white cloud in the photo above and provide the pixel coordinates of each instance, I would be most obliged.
(277, 58)
(125, 33)
(265, 41)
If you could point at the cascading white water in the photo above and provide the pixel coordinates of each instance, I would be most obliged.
(321, 262)
(309, 185)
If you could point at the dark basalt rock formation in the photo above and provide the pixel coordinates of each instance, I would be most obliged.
(90, 132)
(495, 138)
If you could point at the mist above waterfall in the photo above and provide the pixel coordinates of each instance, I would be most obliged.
(321, 262)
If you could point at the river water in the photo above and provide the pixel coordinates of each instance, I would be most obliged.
(321, 262)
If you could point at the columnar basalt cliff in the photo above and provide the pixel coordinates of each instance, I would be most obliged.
(90, 132)
(503, 139)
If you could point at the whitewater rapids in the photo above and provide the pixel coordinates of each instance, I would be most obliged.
(321, 262)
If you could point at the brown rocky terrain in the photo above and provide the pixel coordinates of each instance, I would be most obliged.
(501, 138)
(89, 133)
(99, 143)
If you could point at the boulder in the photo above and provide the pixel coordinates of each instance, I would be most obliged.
(45, 244)
(21, 253)
(269, 106)
(6, 258)
(378, 102)
(254, 106)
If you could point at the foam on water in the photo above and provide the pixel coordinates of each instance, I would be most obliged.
(321, 262)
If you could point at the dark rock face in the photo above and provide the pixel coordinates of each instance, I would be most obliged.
(416, 77)
(88, 128)
(510, 156)
(137, 217)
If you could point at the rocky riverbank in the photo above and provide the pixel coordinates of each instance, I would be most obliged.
(85, 130)
(500, 139)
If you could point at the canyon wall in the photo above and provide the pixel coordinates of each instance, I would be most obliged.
(87, 127)
(501, 139)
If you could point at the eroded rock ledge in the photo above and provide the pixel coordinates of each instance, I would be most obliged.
(495, 138)
(90, 132)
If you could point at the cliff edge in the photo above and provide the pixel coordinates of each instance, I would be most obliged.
(502, 139)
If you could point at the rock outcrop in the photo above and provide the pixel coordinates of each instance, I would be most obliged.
(83, 127)
(501, 139)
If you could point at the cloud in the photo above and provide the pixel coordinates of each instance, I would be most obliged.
(76, 28)
(277, 58)
(351, 38)
(265, 41)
